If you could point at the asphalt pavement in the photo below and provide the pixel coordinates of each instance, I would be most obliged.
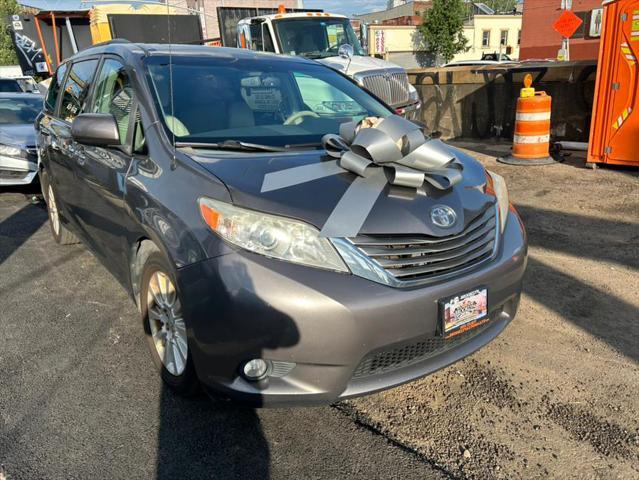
(79, 398)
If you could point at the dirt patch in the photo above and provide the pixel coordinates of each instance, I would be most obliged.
(555, 395)
(606, 438)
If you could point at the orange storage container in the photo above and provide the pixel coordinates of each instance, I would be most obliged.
(614, 131)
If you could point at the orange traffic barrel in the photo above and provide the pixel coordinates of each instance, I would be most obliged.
(531, 141)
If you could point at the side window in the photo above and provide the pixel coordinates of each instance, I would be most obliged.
(139, 140)
(54, 88)
(76, 89)
(114, 95)
(268, 41)
(255, 40)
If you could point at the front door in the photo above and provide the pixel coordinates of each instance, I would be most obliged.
(102, 171)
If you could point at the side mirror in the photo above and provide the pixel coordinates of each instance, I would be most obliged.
(97, 129)
(346, 51)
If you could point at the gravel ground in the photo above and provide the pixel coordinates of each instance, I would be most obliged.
(554, 396)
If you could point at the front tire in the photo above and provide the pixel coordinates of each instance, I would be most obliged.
(164, 325)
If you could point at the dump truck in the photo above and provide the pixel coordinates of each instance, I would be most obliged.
(326, 37)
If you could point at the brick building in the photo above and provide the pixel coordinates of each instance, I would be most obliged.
(539, 39)
(208, 8)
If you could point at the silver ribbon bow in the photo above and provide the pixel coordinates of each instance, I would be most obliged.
(393, 150)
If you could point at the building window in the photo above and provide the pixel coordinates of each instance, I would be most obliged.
(485, 38)
(519, 37)
(503, 40)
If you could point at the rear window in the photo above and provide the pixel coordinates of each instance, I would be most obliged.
(19, 110)
(11, 86)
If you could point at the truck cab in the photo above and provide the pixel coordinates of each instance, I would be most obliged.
(319, 36)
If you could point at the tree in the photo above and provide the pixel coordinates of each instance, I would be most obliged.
(443, 28)
(7, 52)
(501, 6)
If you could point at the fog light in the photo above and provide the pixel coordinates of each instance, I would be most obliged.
(255, 369)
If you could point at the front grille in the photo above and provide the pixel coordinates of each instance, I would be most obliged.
(391, 86)
(423, 257)
(395, 358)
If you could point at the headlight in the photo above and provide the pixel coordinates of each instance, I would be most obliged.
(413, 94)
(271, 235)
(10, 151)
(496, 185)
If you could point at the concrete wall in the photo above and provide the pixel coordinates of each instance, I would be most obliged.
(479, 102)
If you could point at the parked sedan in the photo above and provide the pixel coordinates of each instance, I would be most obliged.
(265, 263)
(18, 154)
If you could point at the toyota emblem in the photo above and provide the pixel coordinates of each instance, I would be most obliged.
(443, 216)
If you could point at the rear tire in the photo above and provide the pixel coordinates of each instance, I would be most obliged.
(60, 233)
(164, 325)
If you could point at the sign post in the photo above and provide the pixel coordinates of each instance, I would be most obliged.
(566, 25)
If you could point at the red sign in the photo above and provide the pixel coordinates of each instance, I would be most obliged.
(567, 24)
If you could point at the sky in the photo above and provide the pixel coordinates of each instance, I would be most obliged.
(349, 7)
(346, 7)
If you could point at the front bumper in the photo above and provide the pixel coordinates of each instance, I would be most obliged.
(17, 171)
(242, 306)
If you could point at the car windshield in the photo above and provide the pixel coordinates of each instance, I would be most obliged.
(315, 37)
(19, 110)
(262, 100)
(10, 86)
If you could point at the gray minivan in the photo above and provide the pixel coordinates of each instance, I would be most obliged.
(287, 238)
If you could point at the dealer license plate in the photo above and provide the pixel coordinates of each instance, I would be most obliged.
(463, 312)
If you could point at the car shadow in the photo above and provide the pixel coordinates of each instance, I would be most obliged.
(597, 310)
(594, 310)
(597, 238)
(215, 437)
(203, 438)
(16, 229)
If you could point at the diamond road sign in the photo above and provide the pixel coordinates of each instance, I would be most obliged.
(567, 24)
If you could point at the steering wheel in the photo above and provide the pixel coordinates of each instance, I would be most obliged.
(293, 119)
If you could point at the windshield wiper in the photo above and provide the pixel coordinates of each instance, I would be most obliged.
(296, 146)
(314, 55)
(232, 145)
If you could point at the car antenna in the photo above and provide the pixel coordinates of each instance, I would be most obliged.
(172, 127)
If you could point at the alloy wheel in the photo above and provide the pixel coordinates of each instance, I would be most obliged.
(167, 326)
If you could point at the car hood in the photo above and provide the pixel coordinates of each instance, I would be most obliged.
(21, 134)
(358, 64)
(398, 210)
